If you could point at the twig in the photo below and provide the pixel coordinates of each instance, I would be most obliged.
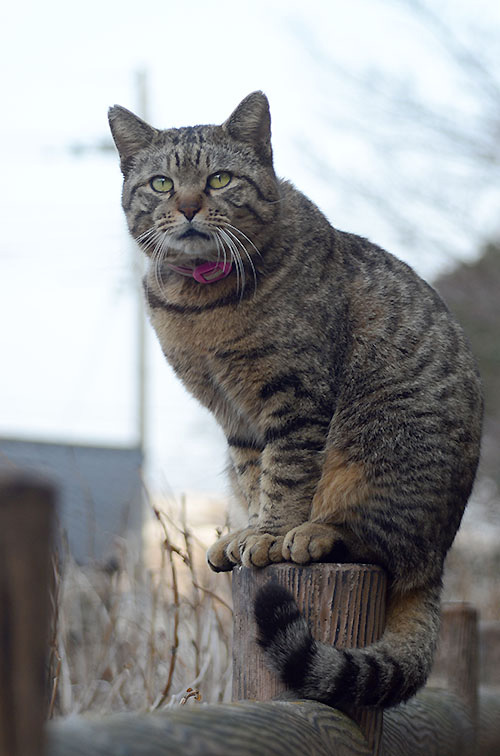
(175, 645)
(213, 595)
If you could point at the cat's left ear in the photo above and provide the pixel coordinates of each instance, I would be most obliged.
(130, 132)
(251, 123)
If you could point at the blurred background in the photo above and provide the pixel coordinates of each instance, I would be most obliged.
(385, 113)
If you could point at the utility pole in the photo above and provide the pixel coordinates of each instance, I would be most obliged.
(142, 97)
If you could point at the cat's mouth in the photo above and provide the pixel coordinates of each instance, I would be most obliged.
(192, 242)
(192, 232)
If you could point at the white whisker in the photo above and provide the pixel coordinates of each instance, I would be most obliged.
(237, 258)
(235, 228)
(249, 258)
(145, 234)
(226, 243)
(157, 257)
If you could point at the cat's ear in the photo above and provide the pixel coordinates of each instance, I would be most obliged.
(251, 123)
(130, 132)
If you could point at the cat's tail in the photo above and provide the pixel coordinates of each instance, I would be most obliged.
(385, 673)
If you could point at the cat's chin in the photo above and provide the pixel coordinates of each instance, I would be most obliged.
(191, 248)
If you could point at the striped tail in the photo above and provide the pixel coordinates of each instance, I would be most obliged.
(385, 673)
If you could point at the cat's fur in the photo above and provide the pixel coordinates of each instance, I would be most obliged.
(347, 392)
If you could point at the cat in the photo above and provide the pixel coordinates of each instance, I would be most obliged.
(347, 392)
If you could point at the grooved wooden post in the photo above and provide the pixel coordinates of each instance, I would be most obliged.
(489, 652)
(456, 662)
(344, 605)
(25, 529)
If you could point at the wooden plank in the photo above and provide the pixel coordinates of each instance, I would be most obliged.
(344, 605)
(248, 728)
(434, 723)
(488, 734)
(26, 509)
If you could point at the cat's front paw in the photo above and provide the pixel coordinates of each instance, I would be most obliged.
(261, 549)
(222, 555)
(226, 552)
(249, 547)
(311, 542)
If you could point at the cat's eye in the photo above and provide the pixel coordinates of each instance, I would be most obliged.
(219, 180)
(161, 184)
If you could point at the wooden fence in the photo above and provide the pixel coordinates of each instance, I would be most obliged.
(343, 603)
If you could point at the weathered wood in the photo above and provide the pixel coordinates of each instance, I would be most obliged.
(456, 663)
(434, 723)
(26, 509)
(344, 605)
(304, 728)
(488, 730)
(488, 736)
(489, 652)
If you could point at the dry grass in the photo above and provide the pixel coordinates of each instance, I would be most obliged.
(132, 638)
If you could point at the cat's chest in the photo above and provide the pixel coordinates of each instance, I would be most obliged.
(193, 333)
(207, 350)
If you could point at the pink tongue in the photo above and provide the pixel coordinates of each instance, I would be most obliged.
(206, 273)
(210, 272)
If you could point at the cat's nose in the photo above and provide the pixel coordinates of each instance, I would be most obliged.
(189, 206)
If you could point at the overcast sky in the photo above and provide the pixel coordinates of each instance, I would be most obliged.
(68, 302)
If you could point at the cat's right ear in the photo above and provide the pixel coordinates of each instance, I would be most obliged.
(251, 123)
(130, 133)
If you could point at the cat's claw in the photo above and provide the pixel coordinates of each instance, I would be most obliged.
(310, 542)
(223, 555)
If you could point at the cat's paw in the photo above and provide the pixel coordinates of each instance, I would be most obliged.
(224, 554)
(248, 547)
(261, 549)
(311, 542)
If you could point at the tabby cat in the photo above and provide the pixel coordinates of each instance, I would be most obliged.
(347, 392)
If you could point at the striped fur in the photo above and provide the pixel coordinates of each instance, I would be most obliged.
(347, 392)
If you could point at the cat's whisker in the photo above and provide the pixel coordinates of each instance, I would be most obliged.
(224, 242)
(249, 257)
(236, 257)
(148, 238)
(161, 255)
(157, 258)
(218, 244)
(145, 234)
(235, 228)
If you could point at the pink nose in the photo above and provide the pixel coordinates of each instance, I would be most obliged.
(189, 207)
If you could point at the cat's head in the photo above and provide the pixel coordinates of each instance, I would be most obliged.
(200, 192)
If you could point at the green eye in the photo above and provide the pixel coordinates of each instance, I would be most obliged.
(219, 180)
(161, 184)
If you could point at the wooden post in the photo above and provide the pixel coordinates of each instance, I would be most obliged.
(488, 740)
(344, 605)
(25, 529)
(456, 663)
(489, 652)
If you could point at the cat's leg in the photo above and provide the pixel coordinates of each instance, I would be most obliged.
(244, 475)
(289, 475)
(339, 500)
(291, 438)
